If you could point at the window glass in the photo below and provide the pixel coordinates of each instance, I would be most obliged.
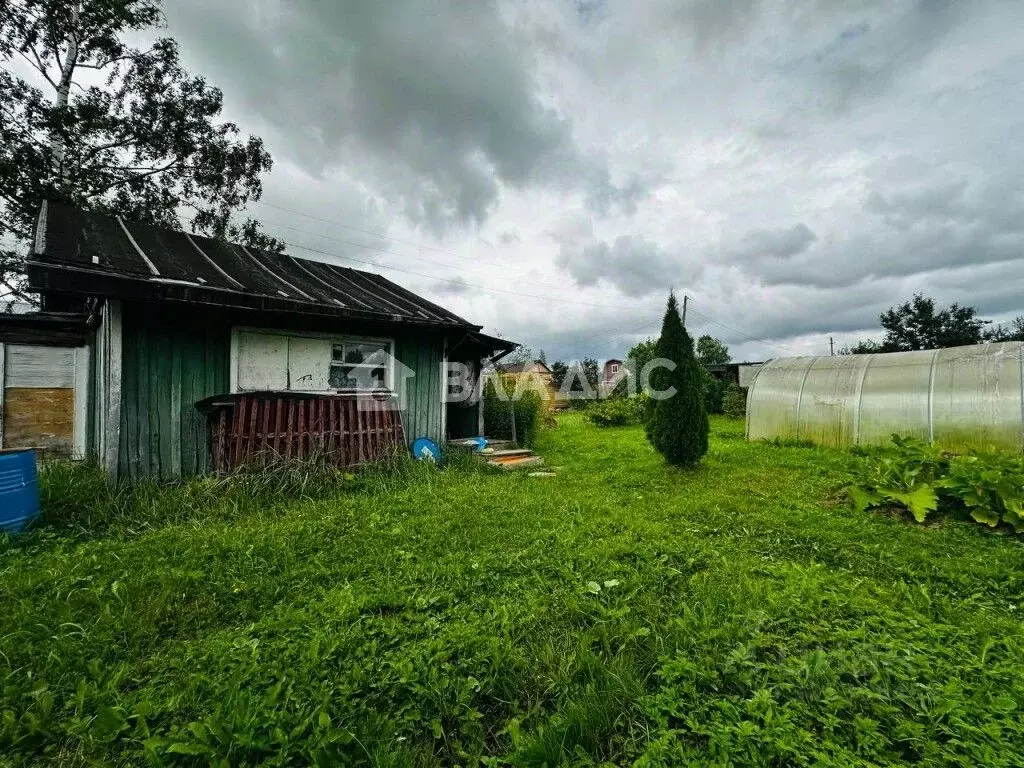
(365, 353)
(358, 377)
(360, 365)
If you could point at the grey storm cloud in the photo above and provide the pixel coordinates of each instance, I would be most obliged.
(634, 265)
(912, 227)
(437, 102)
(794, 166)
(774, 243)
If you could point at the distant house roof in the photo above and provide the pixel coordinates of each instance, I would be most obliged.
(522, 367)
(80, 252)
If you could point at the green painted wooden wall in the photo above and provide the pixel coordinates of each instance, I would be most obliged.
(166, 369)
(167, 366)
(423, 355)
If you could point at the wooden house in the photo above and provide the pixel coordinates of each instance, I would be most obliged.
(533, 375)
(165, 354)
(612, 373)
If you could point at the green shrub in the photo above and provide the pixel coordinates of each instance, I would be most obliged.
(498, 412)
(678, 425)
(921, 479)
(734, 402)
(714, 392)
(618, 411)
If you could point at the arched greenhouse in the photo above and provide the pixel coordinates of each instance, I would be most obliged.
(958, 398)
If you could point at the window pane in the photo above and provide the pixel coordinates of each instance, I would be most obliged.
(367, 352)
(362, 377)
(337, 353)
(340, 378)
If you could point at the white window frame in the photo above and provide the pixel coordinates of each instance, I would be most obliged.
(333, 338)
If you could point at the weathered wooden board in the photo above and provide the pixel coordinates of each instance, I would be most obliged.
(40, 367)
(40, 418)
(420, 394)
(168, 367)
(266, 428)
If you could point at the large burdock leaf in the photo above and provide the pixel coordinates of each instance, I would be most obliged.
(985, 513)
(1014, 515)
(920, 501)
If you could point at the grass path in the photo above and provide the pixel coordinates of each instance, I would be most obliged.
(620, 612)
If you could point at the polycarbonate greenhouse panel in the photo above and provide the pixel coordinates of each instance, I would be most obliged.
(827, 408)
(777, 393)
(976, 399)
(894, 397)
(960, 398)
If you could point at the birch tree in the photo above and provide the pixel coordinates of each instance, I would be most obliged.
(89, 119)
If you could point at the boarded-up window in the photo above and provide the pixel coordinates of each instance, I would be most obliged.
(43, 392)
(262, 361)
(279, 362)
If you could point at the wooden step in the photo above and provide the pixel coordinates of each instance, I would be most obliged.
(497, 445)
(507, 452)
(514, 462)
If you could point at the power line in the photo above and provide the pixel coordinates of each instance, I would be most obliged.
(459, 282)
(743, 336)
(488, 289)
(364, 231)
(378, 249)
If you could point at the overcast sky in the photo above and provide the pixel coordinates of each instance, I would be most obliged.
(551, 168)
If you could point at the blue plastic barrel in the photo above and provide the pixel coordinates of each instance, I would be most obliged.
(19, 489)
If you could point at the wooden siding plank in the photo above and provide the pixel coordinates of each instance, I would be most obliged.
(161, 397)
(40, 367)
(188, 397)
(111, 371)
(174, 447)
(130, 454)
(82, 365)
(214, 373)
(173, 368)
(145, 413)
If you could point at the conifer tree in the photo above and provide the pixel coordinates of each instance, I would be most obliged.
(678, 425)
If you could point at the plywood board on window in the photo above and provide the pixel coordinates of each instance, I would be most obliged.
(40, 418)
(262, 362)
(308, 363)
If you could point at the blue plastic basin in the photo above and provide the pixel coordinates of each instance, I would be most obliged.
(19, 490)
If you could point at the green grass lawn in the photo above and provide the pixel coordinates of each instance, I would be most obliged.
(620, 612)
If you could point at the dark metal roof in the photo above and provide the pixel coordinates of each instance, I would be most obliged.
(93, 254)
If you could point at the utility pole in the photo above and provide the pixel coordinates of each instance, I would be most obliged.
(831, 347)
(686, 300)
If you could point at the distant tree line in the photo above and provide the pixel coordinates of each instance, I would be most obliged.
(917, 324)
